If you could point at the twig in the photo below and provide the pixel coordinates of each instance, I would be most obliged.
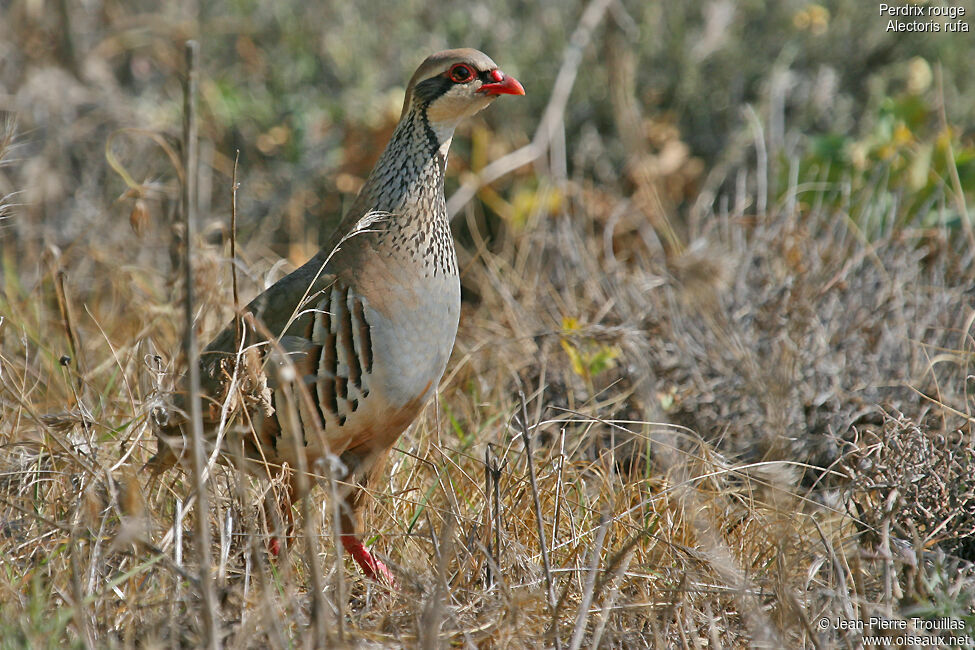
(610, 601)
(238, 323)
(488, 578)
(248, 561)
(549, 125)
(583, 614)
(492, 508)
(432, 616)
(178, 528)
(538, 520)
(336, 506)
(319, 638)
(496, 470)
(558, 488)
(81, 614)
(226, 534)
(67, 320)
(210, 612)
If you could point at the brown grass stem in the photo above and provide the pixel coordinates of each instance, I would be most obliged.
(67, 321)
(587, 594)
(81, 615)
(488, 578)
(610, 601)
(550, 587)
(559, 488)
(432, 616)
(211, 615)
(492, 501)
(319, 637)
(238, 323)
(496, 471)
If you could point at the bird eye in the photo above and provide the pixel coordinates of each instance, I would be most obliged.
(460, 73)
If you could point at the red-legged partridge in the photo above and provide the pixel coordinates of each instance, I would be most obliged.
(368, 323)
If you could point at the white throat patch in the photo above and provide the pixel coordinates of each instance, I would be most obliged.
(444, 131)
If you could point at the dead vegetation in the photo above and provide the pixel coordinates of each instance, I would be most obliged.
(742, 420)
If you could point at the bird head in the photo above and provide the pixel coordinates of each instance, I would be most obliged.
(455, 84)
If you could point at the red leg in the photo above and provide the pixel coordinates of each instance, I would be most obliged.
(274, 546)
(350, 516)
(373, 568)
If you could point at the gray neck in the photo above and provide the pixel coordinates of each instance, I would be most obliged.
(413, 162)
(407, 184)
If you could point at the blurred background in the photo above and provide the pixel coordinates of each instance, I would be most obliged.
(747, 236)
(307, 92)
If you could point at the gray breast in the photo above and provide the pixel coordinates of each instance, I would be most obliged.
(413, 345)
(360, 363)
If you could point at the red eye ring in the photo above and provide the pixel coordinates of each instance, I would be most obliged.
(460, 73)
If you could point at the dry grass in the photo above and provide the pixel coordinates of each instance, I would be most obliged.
(734, 435)
(655, 537)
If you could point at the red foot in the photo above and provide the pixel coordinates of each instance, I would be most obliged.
(274, 546)
(373, 568)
